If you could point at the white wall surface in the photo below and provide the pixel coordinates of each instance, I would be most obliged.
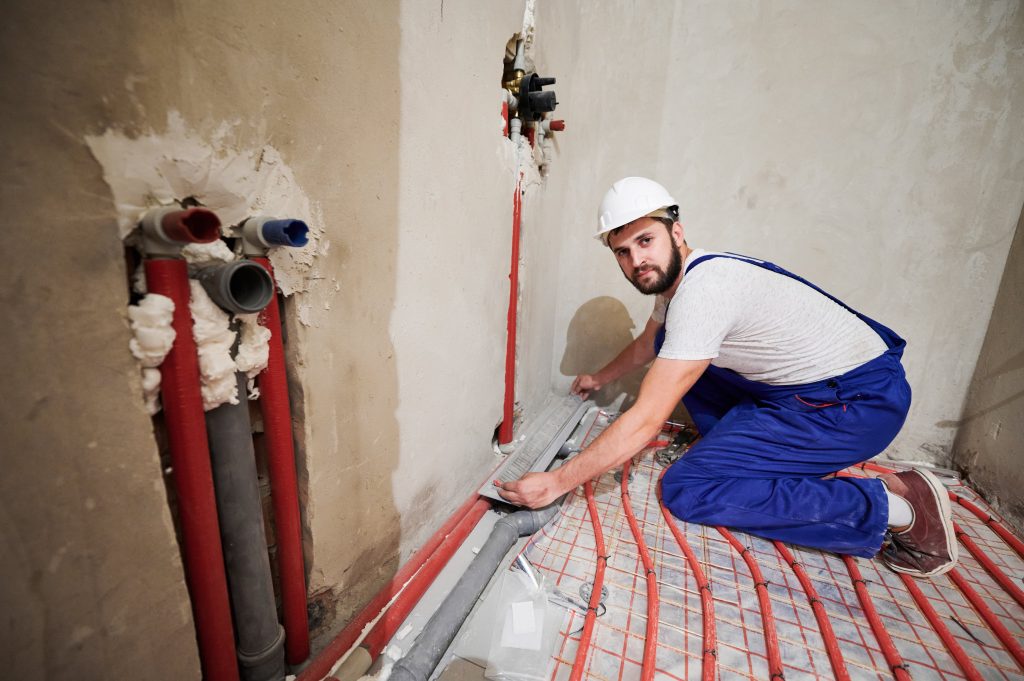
(875, 148)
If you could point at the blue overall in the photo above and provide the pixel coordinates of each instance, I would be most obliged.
(764, 449)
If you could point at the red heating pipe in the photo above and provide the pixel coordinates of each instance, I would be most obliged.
(387, 625)
(505, 429)
(651, 637)
(1007, 536)
(771, 638)
(438, 542)
(993, 622)
(284, 487)
(193, 478)
(595, 594)
(709, 660)
(892, 656)
(835, 656)
(990, 567)
(970, 671)
(998, 575)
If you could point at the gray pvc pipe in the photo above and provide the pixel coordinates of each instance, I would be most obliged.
(260, 638)
(241, 286)
(440, 630)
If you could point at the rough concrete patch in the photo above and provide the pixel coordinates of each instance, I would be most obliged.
(159, 168)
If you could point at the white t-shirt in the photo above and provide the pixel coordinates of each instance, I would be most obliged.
(763, 325)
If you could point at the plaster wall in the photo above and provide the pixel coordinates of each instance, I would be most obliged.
(877, 149)
(386, 118)
(991, 428)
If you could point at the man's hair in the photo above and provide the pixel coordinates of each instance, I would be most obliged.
(673, 218)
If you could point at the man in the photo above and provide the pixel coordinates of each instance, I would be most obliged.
(786, 385)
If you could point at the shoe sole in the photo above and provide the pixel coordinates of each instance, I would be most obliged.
(946, 510)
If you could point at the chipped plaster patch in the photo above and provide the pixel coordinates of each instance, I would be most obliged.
(158, 168)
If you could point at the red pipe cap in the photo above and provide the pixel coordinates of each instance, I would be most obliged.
(192, 225)
(558, 125)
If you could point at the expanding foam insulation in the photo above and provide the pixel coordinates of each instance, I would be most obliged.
(875, 148)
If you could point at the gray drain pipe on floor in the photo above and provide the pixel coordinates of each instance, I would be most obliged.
(439, 632)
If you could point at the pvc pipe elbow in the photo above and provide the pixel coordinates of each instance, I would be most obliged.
(165, 230)
(261, 233)
(240, 287)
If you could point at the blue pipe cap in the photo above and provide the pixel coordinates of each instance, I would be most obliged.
(287, 232)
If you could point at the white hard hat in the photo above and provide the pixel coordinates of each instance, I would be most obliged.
(628, 199)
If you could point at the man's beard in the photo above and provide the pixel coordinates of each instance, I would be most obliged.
(665, 278)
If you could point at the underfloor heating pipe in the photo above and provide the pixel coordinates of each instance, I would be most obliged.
(771, 637)
(651, 637)
(202, 553)
(440, 630)
(709, 655)
(963, 661)
(993, 622)
(1006, 535)
(1013, 646)
(892, 656)
(595, 593)
(362, 657)
(835, 655)
(275, 409)
(442, 543)
(998, 575)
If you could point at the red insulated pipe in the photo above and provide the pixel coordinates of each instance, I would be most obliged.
(835, 656)
(440, 541)
(505, 429)
(284, 489)
(202, 554)
(387, 625)
(892, 656)
(595, 594)
(990, 567)
(771, 638)
(970, 671)
(997, 627)
(709, 658)
(651, 637)
(1007, 536)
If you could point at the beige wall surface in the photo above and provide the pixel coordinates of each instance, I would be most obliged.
(876, 149)
(988, 443)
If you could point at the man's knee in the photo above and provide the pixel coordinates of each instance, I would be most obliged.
(682, 485)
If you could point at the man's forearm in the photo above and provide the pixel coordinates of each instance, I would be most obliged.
(626, 436)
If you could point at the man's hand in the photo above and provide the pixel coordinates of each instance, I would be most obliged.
(533, 490)
(584, 385)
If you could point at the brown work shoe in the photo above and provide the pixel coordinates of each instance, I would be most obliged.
(927, 546)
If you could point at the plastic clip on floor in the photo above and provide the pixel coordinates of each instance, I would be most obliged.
(777, 612)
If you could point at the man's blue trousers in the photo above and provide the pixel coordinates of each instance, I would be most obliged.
(765, 450)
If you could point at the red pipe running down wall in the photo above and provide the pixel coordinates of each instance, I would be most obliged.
(284, 490)
(505, 429)
(441, 542)
(202, 553)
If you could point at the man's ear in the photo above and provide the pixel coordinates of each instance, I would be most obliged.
(678, 237)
